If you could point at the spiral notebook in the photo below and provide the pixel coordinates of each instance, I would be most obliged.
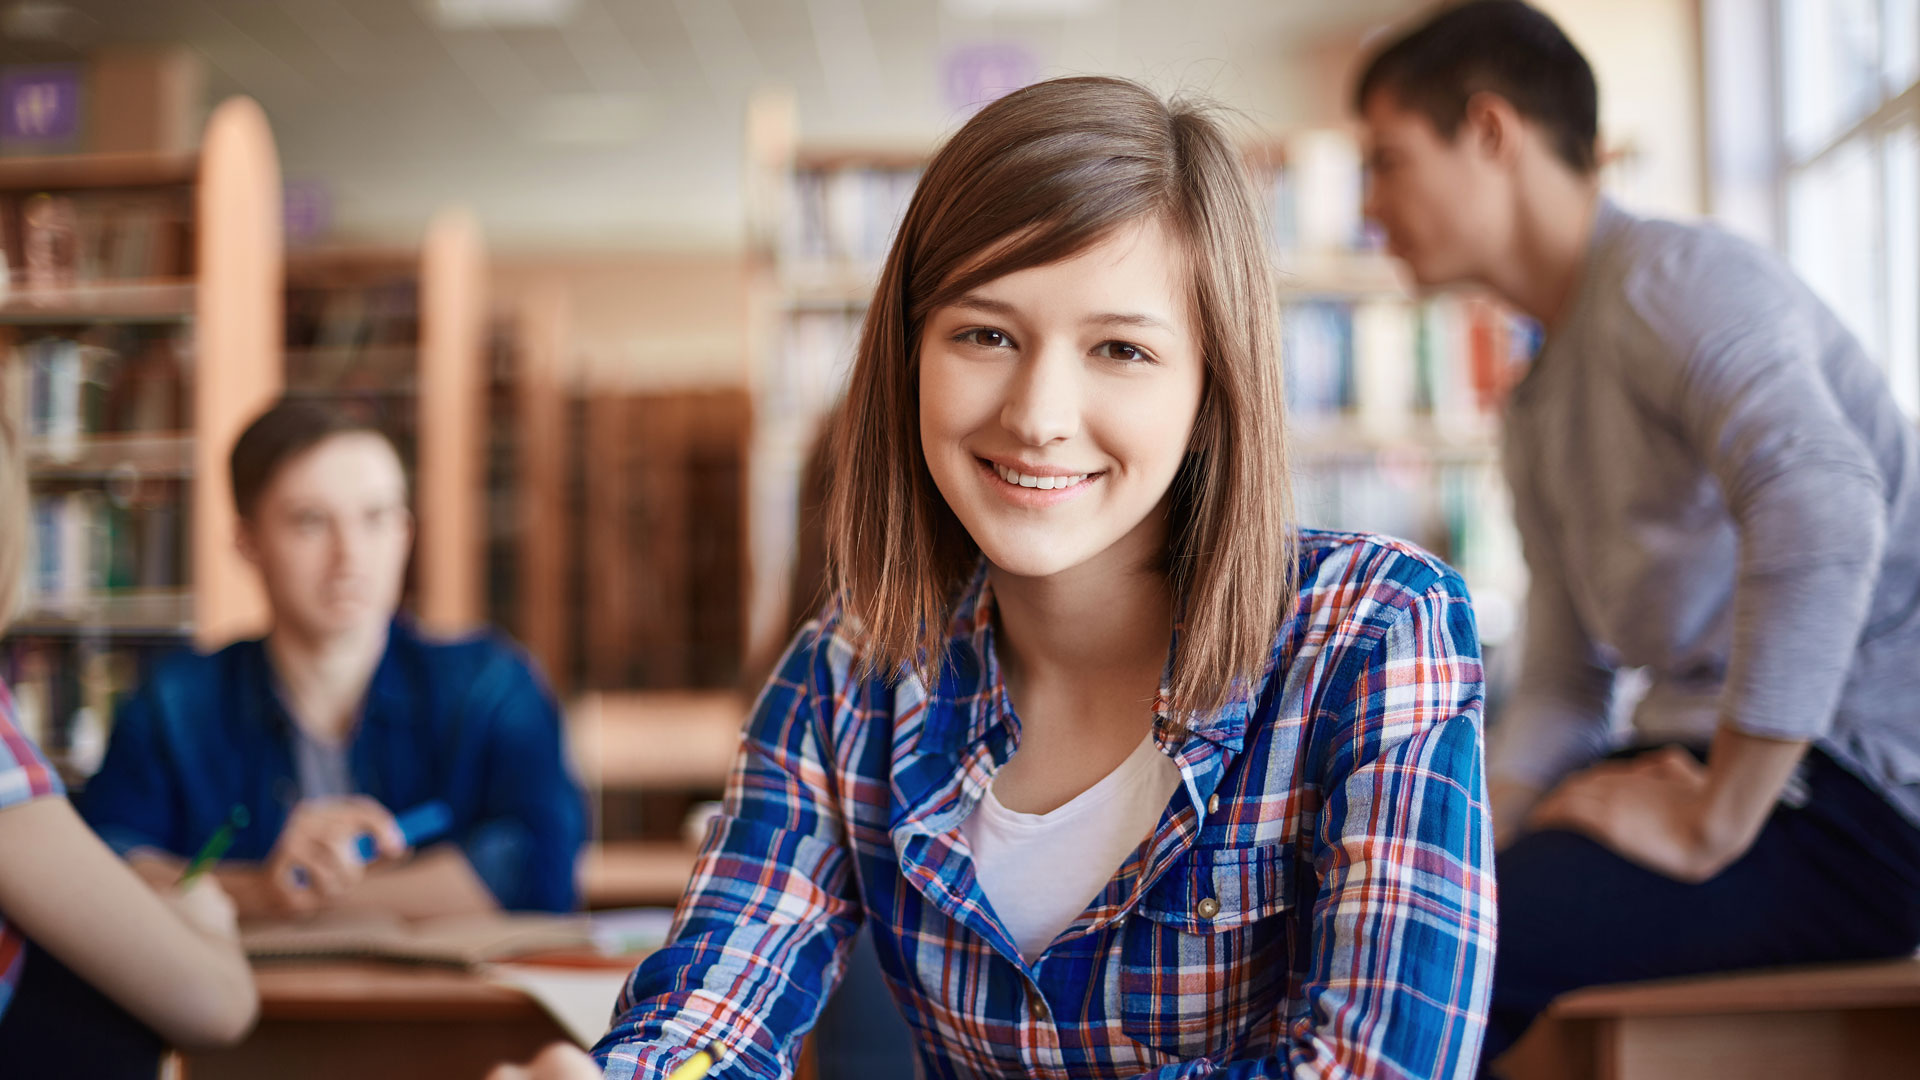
(455, 940)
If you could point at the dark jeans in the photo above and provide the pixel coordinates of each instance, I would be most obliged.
(57, 1026)
(1835, 877)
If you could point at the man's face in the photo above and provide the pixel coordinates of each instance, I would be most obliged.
(1441, 201)
(331, 534)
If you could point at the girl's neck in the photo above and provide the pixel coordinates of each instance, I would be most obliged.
(325, 677)
(1088, 623)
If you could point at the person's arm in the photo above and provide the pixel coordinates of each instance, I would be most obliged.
(1557, 717)
(533, 814)
(766, 923)
(1808, 502)
(175, 964)
(435, 881)
(1668, 812)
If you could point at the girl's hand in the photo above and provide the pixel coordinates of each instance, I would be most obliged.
(206, 907)
(561, 1061)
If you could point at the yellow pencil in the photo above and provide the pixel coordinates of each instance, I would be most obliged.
(697, 1065)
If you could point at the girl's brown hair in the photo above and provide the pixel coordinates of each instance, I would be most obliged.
(1038, 176)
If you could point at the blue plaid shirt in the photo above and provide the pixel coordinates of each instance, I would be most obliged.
(1317, 899)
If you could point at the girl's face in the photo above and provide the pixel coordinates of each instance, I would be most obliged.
(1057, 402)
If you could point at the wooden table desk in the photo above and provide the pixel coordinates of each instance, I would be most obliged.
(1841, 1021)
(369, 1021)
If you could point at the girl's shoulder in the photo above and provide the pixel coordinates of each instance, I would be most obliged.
(1356, 584)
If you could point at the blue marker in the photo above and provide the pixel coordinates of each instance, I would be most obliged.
(424, 823)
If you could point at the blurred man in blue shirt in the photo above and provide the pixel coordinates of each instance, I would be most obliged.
(344, 716)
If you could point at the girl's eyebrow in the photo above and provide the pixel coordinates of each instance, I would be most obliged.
(990, 306)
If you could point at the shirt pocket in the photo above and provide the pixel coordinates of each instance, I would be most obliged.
(1206, 956)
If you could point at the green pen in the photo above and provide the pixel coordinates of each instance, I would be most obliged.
(216, 845)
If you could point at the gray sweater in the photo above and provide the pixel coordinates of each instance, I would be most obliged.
(1713, 483)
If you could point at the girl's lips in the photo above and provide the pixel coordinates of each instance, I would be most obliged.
(1032, 497)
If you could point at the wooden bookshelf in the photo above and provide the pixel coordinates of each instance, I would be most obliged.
(116, 302)
(671, 741)
(141, 331)
(400, 336)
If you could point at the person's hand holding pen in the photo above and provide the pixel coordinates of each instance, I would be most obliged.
(318, 857)
(564, 1061)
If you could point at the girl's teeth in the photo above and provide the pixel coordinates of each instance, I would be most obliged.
(1042, 483)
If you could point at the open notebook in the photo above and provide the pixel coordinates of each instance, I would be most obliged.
(458, 940)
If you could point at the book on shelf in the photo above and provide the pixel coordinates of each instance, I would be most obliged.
(62, 240)
(66, 697)
(847, 214)
(107, 380)
(87, 543)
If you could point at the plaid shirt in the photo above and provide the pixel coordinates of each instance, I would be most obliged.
(24, 775)
(1317, 899)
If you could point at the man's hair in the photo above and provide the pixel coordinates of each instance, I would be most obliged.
(277, 436)
(1503, 47)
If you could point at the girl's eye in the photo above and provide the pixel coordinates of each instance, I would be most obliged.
(985, 338)
(1123, 352)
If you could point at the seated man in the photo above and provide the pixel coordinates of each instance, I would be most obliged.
(343, 716)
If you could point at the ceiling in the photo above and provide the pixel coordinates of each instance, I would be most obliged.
(618, 123)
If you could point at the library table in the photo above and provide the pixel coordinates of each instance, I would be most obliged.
(1844, 1021)
(376, 1021)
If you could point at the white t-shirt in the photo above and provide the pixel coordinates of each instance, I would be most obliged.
(1040, 871)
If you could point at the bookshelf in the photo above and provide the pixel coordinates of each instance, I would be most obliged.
(677, 747)
(140, 326)
(403, 339)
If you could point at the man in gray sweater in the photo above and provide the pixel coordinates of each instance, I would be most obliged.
(1712, 483)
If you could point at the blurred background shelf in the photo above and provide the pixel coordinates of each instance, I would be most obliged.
(146, 612)
(100, 302)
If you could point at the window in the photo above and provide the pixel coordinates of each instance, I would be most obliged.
(1829, 109)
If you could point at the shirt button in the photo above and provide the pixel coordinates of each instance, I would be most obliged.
(1207, 908)
(1213, 804)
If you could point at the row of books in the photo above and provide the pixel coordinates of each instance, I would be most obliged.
(1314, 188)
(816, 358)
(107, 380)
(58, 241)
(1459, 511)
(1381, 362)
(846, 214)
(66, 696)
(88, 542)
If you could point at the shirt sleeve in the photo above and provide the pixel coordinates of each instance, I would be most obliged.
(133, 802)
(1557, 718)
(1751, 397)
(25, 774)
(765, 927)
(1403, 924)
(533, 821)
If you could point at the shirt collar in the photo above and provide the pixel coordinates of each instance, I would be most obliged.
(969, 702)
(387, 686)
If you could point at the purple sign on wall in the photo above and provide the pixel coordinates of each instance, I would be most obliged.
(40, 103)
(307, 208)
(977, 74)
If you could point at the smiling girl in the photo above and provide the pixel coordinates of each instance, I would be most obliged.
(1124, 772)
